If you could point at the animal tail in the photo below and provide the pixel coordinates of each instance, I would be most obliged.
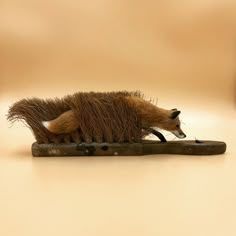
(65, 123)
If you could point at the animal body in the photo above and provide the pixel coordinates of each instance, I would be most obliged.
(95, 117)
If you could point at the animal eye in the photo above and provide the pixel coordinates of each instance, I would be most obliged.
(177, 126)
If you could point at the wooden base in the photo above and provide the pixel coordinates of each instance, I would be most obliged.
(146, 147)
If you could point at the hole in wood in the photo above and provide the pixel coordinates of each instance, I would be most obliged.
(104, 148)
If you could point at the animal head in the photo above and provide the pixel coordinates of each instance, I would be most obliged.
(172, 123)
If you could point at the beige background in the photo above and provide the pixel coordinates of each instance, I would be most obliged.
(181, 52)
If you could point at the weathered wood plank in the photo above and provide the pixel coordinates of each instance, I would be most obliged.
(130, 149)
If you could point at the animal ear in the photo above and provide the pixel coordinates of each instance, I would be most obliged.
(175, 114)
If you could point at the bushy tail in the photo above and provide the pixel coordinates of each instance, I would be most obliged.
(32, 112)
(63, 124)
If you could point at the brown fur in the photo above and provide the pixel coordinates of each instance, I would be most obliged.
(65, 123)
(151, 115)
(88, 117)
(103, 117)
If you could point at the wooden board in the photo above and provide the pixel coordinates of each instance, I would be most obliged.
(190, 147)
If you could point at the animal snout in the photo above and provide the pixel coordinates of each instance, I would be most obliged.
(179, 134)
(182, 135)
